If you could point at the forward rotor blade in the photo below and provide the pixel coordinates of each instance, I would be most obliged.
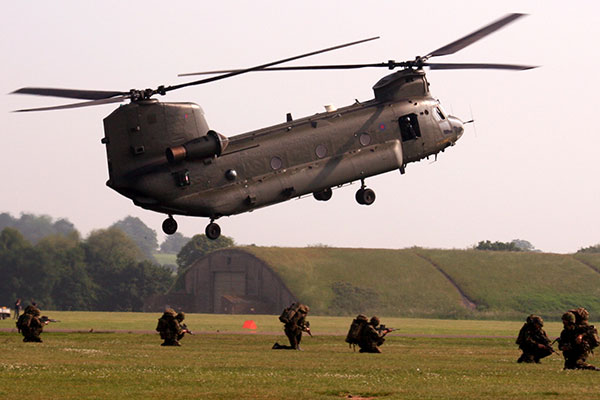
(78, 105)
(389, 65)
(513, 67)
(68, 93)
(263, 66)
(461, 43)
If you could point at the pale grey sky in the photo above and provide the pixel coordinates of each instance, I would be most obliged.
(529, 172)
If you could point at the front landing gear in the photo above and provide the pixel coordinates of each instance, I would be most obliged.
(212, 231)
(364, 195)
(323, 195)
(169, 225)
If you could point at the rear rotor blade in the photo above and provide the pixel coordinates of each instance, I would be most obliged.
(262, 66)
(461, 43)
(300, 68)
(512, 67)
(78, 105)
(68, 93)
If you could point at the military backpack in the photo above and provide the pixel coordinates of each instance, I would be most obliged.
(592, 337)
(289, 312)
(356, 327)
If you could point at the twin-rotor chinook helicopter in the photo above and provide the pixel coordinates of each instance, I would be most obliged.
(164, 157)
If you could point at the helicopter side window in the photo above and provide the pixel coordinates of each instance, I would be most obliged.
(439, 114)
(409, 127)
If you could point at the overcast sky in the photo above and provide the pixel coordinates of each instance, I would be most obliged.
(527, 169)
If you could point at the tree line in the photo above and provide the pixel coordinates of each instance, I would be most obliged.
(523, 245)
(36, 227)
(111, 270)
(105, 272)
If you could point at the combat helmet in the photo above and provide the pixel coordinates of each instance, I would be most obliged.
(180, 316)
(374, 320)
(33, 310)
(303, 308)
(535, 319)
(169, 312)
(568, 317)
(581, 315)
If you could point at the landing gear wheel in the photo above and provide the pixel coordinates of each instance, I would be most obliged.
(323, 195)
(212, 231)
(365, 196)
(169, 226)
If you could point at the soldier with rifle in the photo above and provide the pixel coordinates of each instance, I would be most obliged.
(372, 336)
(170, 327)
(294, 319)
(533, 341)
(578, 339)
(31, 325)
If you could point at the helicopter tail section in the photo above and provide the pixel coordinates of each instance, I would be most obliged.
(136, 137)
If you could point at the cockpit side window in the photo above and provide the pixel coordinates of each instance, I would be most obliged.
(439, 114)
(409, 127)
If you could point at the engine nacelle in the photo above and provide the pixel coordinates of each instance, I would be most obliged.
(211, 145)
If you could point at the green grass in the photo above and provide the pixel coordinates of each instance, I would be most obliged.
(229, 366)
(405, 284)
(508, 284)
(219, 323)
(503, 285)
(166, 259)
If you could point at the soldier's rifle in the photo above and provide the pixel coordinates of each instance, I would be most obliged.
(384, 330)
(185, 329)
(306, 328)
(45, 320)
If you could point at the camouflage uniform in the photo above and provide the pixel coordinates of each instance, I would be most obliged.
(370, 339)
(170, 328)
(533, 341)
(577, 340)
(30, 324)
(293, 329)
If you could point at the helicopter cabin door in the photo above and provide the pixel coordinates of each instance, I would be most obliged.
(410, 133)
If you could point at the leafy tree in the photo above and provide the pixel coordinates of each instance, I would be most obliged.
(25, 269)
(497, 246)
(73, 288)
(107, 253)
(13, 248)
(35, 227)
(142, 235)
(590, 249)
(138, 281)
(198, 247)
(105, 272)
(6, 221)
(174, 243)
(523, 245)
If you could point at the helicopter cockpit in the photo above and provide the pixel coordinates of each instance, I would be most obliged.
(449, 124)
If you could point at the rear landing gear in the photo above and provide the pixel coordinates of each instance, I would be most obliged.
(212, 231)
(169, 225)
(364, 195)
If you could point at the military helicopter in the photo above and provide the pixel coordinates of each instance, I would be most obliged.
(164, 157)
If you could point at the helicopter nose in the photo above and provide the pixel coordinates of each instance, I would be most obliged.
(458, 126)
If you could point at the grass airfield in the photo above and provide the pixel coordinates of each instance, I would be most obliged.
(424, 359)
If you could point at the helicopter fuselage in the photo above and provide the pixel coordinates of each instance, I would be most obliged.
(222, 177)
(165, 158)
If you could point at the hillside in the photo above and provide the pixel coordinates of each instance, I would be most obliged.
(437, 283)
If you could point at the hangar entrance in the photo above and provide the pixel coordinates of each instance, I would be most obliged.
(227, 283)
